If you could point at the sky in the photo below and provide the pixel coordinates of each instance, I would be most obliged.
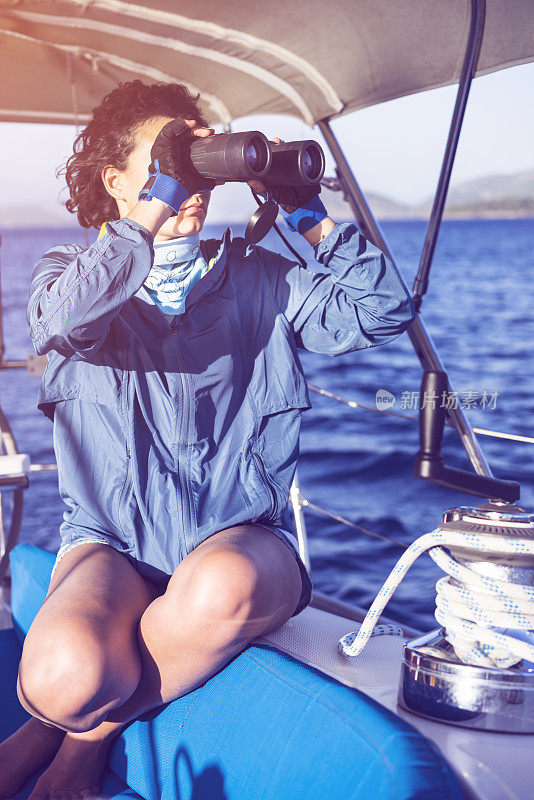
(395, 148)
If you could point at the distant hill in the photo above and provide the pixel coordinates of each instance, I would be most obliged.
(492, 197)
(382, 207)
(495, 196)
(506, 208)
(520, 184)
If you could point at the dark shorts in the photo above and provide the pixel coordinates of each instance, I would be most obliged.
(160, 580)
(289, 540)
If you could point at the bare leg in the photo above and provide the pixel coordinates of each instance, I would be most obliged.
(25, 751)
(95, 593)
(236, 585)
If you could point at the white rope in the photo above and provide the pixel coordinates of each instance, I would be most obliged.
(489, 622)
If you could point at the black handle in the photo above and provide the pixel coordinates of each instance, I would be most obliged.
(429, 464)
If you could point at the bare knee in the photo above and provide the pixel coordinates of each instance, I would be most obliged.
(224, 595)
(71, 678)
(253, 581)
(224, 584)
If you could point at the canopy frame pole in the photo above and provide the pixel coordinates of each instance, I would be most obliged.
(75, 111)
(297, 502)
(2, 346)
(420, 337)
(472, 53)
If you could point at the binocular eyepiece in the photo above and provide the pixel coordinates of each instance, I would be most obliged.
(251, 156)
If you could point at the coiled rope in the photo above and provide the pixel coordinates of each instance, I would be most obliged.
(469, 606)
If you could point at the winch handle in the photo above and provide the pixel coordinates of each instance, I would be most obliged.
(429, 465)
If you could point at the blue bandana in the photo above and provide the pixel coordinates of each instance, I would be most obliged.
(178, 265)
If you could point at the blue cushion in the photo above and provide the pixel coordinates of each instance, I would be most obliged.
(265, 727)
(13, 715)
(31, 568)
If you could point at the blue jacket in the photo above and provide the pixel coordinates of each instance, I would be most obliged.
(167, 430)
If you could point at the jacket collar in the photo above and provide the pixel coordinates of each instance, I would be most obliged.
(212, 279)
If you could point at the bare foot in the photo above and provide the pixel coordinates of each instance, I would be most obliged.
(76, 771)
(24, 752)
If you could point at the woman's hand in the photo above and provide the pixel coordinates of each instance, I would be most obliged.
(198, 131)
(171, 149)
(289, 198)
(171, 156)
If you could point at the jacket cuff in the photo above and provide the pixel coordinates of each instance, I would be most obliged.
(325, 247)
(121, 227)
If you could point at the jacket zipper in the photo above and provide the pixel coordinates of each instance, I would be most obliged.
(182, 467)
(124, 486)
(274, 500)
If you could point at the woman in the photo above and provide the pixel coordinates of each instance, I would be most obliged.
(175, 389)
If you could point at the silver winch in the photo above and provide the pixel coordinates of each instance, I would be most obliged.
(435, 682)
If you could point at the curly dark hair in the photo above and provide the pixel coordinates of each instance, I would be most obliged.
(110, 136)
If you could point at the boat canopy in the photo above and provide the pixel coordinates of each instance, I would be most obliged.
(305, 58)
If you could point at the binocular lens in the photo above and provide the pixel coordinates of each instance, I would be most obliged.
(312, 164)
(252, 156)
(257, 155)
(307, 163)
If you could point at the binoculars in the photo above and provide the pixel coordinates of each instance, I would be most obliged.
(251, 156)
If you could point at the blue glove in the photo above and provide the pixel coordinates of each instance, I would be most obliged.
(300, 206)
(306, 217)
(173, 177)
